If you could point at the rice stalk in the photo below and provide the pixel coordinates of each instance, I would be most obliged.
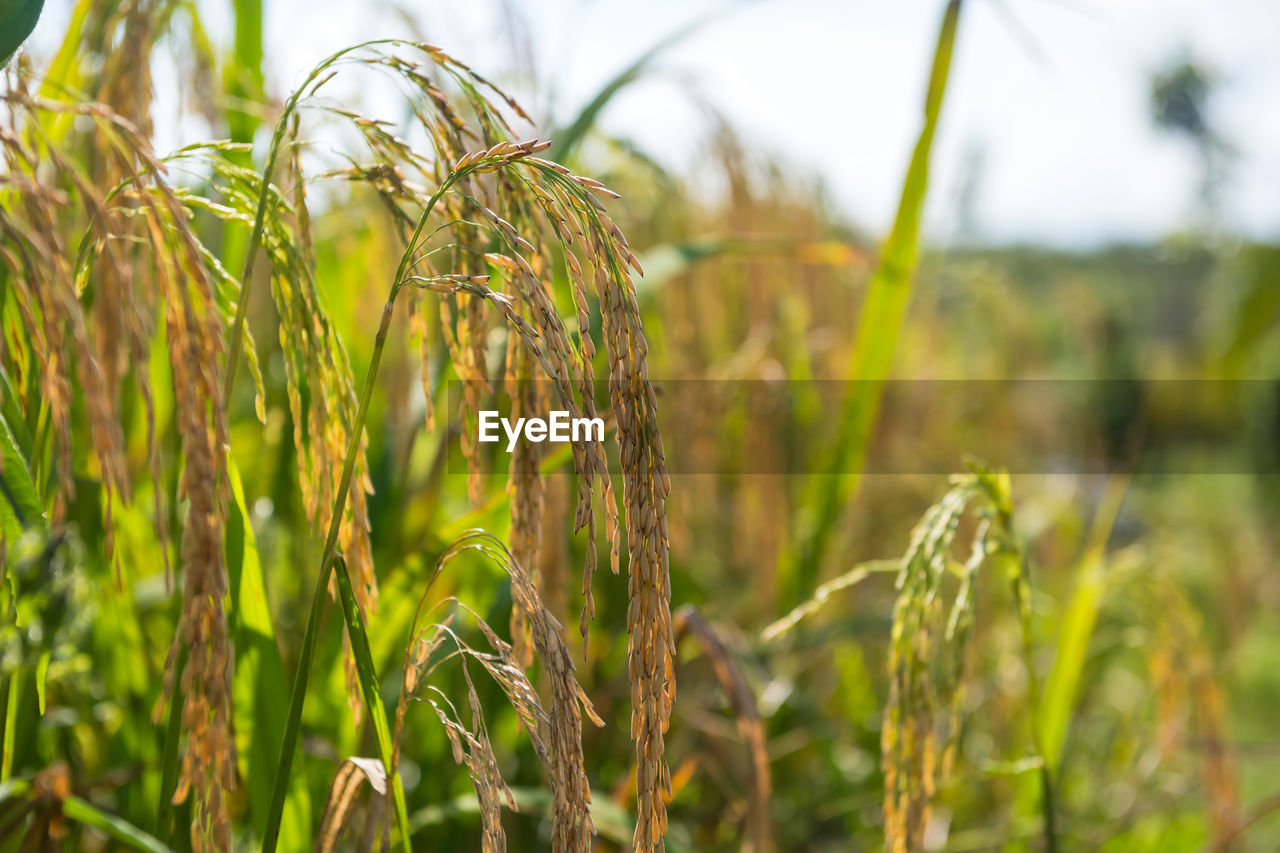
(553, 551)
(506, 194)
(556, 730)
(45, 285)
(820, 596)
(758, 836)
(525, 485)
(344, 790)
(169, 270)
(910, 741)
(929, 644)
(928, 651)
(1191, 707)
(472, 748)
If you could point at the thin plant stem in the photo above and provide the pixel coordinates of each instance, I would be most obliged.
(281, 783)
(236, 343)
(255, 240)
(1022, 594)
(169, 765)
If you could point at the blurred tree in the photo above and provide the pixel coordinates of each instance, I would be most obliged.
(1181, 96)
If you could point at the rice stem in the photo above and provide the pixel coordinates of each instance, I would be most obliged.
(297, 697)
(169, 765)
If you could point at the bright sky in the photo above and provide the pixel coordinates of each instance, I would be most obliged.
(1053, 94)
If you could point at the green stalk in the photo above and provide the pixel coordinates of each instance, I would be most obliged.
(374, 708)
(1020, 575)
(1052, 705)
(879, 326)
(11, 723)
(245, 74)
(1077, 624)
(293, 724)
(244, 84)
(173, 734)
(86, 813)
(260, 216)
(280, 786)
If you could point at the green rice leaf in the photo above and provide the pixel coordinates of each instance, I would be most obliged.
(42, 676)
(20, 506)
(260, 692)
(374, 708)
(880, 323)
(1077, 623)
(17, 20)
(86, 813)
(568, 139)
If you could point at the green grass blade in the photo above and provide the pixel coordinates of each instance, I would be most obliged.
(566, 140)
(42, 676)
(245, 75)
(879, 326)
(259, 692)
(11, 413)
(13, 788)
(11, 705)
(1063, 684)
(373, 706)
(293, 723)
(169, 763)
(20, 505)
(66, 72)
(298, 695)
(86, 813)
(244, 85)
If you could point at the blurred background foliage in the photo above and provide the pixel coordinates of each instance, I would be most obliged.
(1154, 595)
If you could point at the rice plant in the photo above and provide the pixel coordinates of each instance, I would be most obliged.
(475, 210)
(929, 646)
(266, 587)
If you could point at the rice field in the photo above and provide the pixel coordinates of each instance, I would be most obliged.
(947, 548)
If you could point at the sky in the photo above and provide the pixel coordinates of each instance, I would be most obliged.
(1050, 97)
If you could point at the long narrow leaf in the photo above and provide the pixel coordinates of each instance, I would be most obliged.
(373, 706)
(568, 139)
(1078, 619)
(17, 20)
(86, 813)
(260, 692)
(879, 327)
(169, 762)
(20, 502)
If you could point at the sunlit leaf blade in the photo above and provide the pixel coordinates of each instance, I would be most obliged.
(565, 141)
(260, 693)
(374, 709)
(1076, 629)
(86, 813)
(20, 502)
(880, 323)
